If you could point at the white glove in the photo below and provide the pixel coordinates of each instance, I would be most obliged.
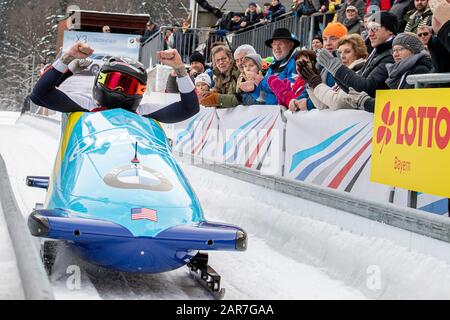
(79, 65)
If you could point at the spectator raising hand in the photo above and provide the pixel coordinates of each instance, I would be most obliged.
(439, 45)
(298, 105)
(247, 86)
(441, 13)
(254, 77)
(309, 73)
(209, 99)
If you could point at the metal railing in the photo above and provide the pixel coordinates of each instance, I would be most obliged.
(420, 80)
(147, 54)
(186, 43)
(201, 39)
(304, 28)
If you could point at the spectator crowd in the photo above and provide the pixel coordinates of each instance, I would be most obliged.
(365, 46)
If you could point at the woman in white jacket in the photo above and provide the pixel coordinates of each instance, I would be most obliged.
(353, 54)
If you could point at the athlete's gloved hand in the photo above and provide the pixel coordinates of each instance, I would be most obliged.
(328, 61)
(79, 65)
(210, 99)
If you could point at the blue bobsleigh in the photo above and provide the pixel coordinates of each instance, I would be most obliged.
(118, 197)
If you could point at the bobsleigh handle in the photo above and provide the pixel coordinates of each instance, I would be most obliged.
(37, 182)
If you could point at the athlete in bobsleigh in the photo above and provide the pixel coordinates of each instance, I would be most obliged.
(116, 195)
(120, 83)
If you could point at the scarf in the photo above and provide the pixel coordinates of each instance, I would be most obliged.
(398, 69)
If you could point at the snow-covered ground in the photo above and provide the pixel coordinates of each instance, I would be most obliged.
(297, 249)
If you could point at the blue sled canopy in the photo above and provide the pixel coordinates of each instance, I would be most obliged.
(119, 197)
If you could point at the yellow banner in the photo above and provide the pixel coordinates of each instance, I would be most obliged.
(410, 147)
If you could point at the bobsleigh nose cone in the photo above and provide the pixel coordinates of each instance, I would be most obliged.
(241, 240)
(38, 225)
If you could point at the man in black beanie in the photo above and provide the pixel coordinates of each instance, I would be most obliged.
(382, 28)
(197, 64)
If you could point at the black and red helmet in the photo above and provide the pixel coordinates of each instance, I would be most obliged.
(120, 83)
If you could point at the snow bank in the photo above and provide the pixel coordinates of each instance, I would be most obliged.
(381, 261)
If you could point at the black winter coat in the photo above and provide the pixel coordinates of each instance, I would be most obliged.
(277, 11)
(372, 76)
(252, 18)
(439, 47)
(353, 26)
(148, 34)
(422, 66)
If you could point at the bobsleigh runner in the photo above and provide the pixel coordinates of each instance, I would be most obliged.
(118, 198)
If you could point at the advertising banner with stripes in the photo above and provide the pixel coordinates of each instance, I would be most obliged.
(425, 202)
(196, 136)
(333, 149)
(252, 136)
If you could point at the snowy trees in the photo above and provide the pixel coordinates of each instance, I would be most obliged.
(28, 36)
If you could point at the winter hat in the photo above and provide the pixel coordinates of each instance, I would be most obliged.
(385, 19)
(282, 33)
(197, 57)
(203, 77)
(256, 58)
(410, 41)
(335, 29)
(252, 4)
(351, 8)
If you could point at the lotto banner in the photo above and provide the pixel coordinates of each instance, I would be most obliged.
(411, 137)
(252, 136)
(332, 149)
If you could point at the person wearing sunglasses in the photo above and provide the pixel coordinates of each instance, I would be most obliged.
(120, 83)
(409, 57)
(424, 33)
(372, 76)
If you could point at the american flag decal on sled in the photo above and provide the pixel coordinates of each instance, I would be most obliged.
(144, 213)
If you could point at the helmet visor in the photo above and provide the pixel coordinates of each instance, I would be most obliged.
(121, 82)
